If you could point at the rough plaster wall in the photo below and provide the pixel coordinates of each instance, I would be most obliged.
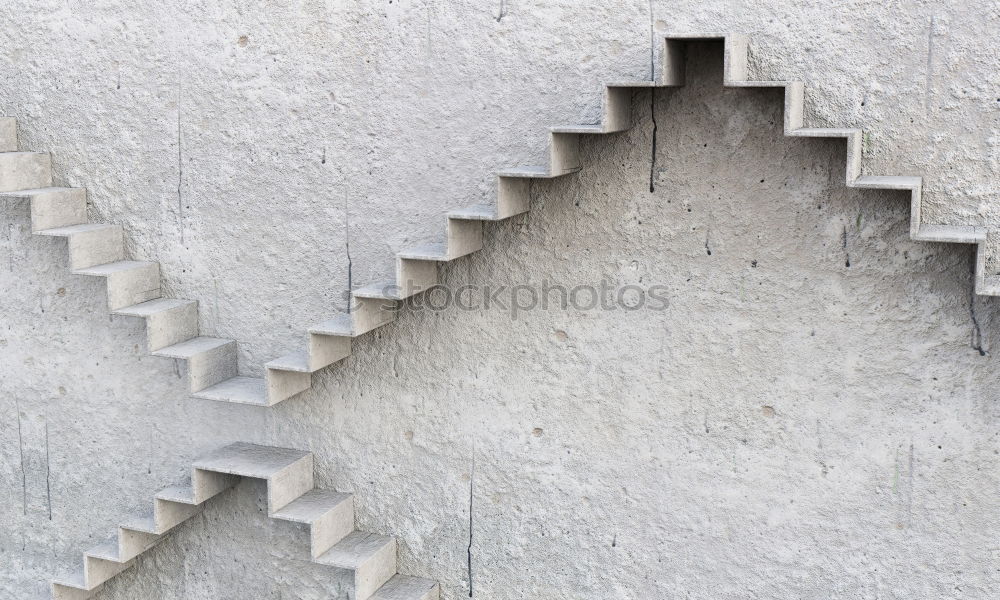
(655, 469)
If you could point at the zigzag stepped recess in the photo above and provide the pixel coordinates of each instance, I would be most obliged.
(133, 287)
(328, 515)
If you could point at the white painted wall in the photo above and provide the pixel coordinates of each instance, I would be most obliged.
(795, 429)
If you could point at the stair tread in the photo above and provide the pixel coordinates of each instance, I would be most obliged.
(760, 83)
(352, 551)
(192, 347)
(527, 172)
(297, 361)
(890, 182)
(634, 83)
(242, 390)
(341, 325)
(825, 132)
(312, 505)
(22, 153)
(74, 229)
(37, 191)
(250, 460)
(74, 580)
(114, 267)
(438, 251)
(406, 587)
(107, 550)
(476, 212)
(951, 233)
(584, 129)
(145, 524)
(152, 307)
(383, 290)
(183, 494)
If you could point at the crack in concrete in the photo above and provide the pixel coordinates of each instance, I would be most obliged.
(180, 167)
(929, 85)
(347, 249)
(503, 11)
(652, 157)
(847, 255)
(472, 485)
(20, 451)
(652, 99)
(977, 332)
(48, 471)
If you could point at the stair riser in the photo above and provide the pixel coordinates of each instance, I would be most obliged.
(99, 247)
(282, 385)
(369, 314)
(564, 153)
(377, 570)
(464, 237)
(324, 350)
(22, 171)
(58, 209)
(513, 196)
(60, 592)
(210, 367)
(98, 570)
(332, 527)
(617, 109)
(133, 543)
(208, 484)
(8, 134)
(172, 326)
(290, 483)
(415, 276)
(171, 514)
(134, 286)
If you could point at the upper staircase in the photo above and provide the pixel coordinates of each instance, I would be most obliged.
(133, 287)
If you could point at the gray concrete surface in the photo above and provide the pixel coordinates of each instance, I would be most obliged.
(790, 427)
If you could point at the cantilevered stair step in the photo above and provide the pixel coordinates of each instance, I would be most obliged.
(208, 360)
(24, 171)
(329, 514)
(128, 282)
(54, 206)
(404, 587)
(296, 361)
(384, 290)
(535, 173)
(432, 252)
(580, 129)
(303, 361)
(241, 390)
(824, 132)
(954, 234)
(72, 586)
(107, 550)
(371, 556)
(169, 321)
(91, 244)
(340, 325)
(252, 460)
(887, 182)
(476, 212)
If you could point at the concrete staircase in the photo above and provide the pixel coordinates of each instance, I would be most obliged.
(133, 287)
(328, 515)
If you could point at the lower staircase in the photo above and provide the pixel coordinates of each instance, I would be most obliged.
(291, 496)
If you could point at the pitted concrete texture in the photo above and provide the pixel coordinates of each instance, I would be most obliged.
(790, 427)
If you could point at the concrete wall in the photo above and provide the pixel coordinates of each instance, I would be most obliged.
(790, 427)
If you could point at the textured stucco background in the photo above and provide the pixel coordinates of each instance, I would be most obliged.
(791, 427)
